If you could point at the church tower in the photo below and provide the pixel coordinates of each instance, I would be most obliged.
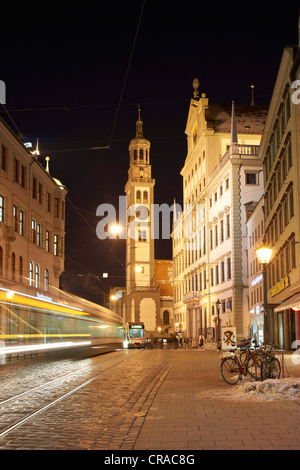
(141, 294)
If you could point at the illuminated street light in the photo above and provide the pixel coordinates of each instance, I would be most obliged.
(264, 255)
(116, 229)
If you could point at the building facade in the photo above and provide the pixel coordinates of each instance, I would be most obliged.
(255, 237)
(279, 152)
(222, 183)
(32, 223)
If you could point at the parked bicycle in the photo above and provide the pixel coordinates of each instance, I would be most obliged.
(232, 369)
(270, 365)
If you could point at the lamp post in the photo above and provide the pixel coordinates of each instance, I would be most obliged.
(218, 305)
(264, 255)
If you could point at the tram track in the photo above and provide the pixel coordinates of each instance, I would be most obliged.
(13, 400)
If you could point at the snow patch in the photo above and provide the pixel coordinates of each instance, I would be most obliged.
(288, 389)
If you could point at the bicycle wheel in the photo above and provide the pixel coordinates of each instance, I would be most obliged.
(243, 357)
(275, 369)
(264, 370)
(230, 371)
(253, 368)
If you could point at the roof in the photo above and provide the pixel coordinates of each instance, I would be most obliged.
(249, 119)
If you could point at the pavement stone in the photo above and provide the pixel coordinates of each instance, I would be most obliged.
(156, 400)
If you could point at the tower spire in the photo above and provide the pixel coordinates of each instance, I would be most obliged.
(234, 147)
(252, 99)
(139, 124)
(233, 126)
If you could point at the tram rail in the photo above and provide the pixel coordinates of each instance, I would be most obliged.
(12, 426)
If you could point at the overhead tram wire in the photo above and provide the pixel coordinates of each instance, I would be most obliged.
(126, 75)
(93, 229)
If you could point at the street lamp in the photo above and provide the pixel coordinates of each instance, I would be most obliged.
(116, 229)
(218, 305)
(264, 255)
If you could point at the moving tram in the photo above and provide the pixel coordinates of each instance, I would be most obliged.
(41, 324)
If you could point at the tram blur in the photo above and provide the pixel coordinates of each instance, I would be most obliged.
(43, 324)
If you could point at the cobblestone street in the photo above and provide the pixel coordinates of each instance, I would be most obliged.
(138, 400)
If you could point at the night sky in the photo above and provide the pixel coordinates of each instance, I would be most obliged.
(73, 80)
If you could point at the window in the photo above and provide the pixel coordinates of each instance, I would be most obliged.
(228, 225)
(56, 207)
(251, 178)
(228, 268)
(31, 273)
(20, 269)
(47, 245)
(16, 170)
(34, 188)
(145, 197)
(166, 317)
(138, 196)
(135, 155)
(142, 235)
(222, 271)
(46, 280)
(55, 245)
(3, 157)
(37, 276)
(21, 221)
(48, 202)
(141, 154)
(13, 266)
(222, 230)
(33, 228)
(23, 172)
(15, 217)
(1, 209)
(39, 235)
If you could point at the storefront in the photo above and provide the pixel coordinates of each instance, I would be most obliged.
(286, 323)
(257, 324)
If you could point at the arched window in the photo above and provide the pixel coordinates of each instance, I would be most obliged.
(46, 280)
(145, 197)
(166, 317)
(138, 196)
(141, 154)
(37, 276)
(31, 273)
(135, 155)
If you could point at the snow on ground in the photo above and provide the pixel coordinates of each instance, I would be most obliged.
(286, 389)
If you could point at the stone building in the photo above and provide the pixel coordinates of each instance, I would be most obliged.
(222, 182)
(32, 223)
(280, 150)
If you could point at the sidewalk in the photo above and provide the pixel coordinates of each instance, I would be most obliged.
(195, 409)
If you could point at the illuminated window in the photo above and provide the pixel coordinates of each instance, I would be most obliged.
(55, 245)
(31, 273)
(37, 276)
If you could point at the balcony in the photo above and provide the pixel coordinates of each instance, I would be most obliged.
(249, 150)
(192, 295)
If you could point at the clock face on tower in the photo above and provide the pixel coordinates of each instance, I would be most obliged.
(142, 212)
